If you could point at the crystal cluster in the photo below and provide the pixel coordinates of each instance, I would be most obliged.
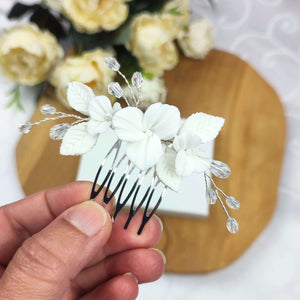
(112, 63)
(58, 131)
(48, 110)
(25, 128)
(221, 170)
(115, 89)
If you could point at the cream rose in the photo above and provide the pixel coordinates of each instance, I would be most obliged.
(95, 15)
(152, 42)
(89, 68)
(197, 39)
(152, 91)
(27, 54)
(179, 9)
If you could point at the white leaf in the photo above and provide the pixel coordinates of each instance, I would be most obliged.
(204, 125)
(162, 119)
(99, 108)
(145, 153)
(77, 140)
(127, 124)
(166, 172)
(79, 96)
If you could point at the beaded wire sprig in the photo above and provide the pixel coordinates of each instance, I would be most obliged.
(153, 150)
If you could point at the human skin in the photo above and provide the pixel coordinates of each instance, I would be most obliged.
(57, 244)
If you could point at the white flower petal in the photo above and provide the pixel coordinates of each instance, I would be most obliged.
(206, 126)
(117, 106)
(162, 119)
(95, 127)
(166, 172)
(201, 164)
(79, 96)
(145, 153)
(77, 140)
(127, 124)
(186, 140)
(185, 163)
(99, 108)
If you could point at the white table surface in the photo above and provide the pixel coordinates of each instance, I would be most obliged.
(266, 33)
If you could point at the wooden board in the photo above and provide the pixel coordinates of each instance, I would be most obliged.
(251, 142)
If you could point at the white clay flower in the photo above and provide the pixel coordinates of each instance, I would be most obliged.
(82, 137)
(197, 130)
(144, 132)
(101, 113)
(190, 157)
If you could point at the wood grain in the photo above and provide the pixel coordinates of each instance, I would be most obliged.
(251, 142)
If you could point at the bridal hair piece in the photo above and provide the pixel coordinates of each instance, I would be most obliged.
(153, 149)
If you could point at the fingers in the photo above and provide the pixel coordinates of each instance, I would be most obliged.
(122, 240)
(123, 287)
(146, 264)
(47, 262)
(21, 219)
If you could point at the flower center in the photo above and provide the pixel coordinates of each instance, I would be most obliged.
(149, 133)
(107, 117)
(188, 151)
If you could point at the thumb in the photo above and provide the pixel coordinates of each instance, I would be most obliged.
(45, 264)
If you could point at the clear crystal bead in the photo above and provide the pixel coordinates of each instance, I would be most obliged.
(112, 63)
(232, 225)
(57, 132)
(220, 169)
(233, 202)
(25, 128)
(211, 196)
(115, 89)
(137, 79)
(48, 110)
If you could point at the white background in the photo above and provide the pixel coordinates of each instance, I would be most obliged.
(266, 33)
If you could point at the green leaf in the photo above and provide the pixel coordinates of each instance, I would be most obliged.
(84, 41)
(46, 20)
(129, 63)
(175, 11)
(20, 9)
(15, 95)
(138, 6)
(148, 75)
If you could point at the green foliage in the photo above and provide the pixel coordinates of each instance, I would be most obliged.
(129, 63)
(138, 6)
(41, 16)
(14, 94)
(175, 11)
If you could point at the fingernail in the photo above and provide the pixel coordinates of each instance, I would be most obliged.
(131, 275)
(88, 217)
(160, 222)
(161, 253)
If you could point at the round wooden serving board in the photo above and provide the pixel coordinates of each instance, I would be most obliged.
(251, 142)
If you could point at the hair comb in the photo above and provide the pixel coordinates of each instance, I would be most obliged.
(153, 149)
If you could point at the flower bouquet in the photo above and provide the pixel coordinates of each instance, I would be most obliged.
(143, 35)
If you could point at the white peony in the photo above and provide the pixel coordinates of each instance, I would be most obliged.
(197, 39)
(27, 54)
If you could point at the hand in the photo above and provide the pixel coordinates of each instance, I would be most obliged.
(57, 245)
